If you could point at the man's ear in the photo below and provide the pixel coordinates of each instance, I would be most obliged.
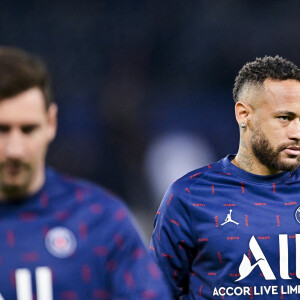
(52, 121)
(243, 112)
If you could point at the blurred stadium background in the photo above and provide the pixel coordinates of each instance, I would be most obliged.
(144, 87)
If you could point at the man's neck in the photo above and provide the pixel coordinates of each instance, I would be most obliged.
(248, 162)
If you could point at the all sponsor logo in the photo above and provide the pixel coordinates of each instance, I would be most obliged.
(261, 261)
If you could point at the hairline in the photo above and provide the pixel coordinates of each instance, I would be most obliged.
(46, 103)
(256, 87)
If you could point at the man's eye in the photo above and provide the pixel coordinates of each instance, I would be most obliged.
(4, 129)
(28, 129)
(284, 118)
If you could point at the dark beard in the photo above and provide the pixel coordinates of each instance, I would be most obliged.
(269, 156)
(14, 192)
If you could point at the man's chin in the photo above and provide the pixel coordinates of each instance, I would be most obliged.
(289, 164)
(13, 192)
(15, 187)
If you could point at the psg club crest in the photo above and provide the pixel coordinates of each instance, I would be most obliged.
(60, 242)
(297, 214)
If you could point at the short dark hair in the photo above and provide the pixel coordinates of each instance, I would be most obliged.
(20, 71)
(258, 71)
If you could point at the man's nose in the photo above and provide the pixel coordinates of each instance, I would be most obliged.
(15, 145)
(294, 132)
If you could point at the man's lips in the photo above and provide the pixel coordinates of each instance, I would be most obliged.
(292, 150)
(13, 168)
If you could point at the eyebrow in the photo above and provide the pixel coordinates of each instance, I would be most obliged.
(9, 126)
(285, 112)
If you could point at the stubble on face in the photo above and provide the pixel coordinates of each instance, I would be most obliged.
(270, 157)
(15, 178)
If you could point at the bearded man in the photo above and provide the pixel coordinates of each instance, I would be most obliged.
(231, 229)
(60, 238)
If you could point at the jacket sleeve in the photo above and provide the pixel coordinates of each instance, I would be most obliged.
(172, 242)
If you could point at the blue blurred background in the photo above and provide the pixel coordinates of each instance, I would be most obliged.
(144, 87)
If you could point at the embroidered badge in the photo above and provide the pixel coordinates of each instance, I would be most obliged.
(60, 242)
(297, 214)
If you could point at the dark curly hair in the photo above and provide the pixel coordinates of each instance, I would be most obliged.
(20, 71)
(258, 71)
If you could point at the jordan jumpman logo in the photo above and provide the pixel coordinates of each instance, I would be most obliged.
(228, 219)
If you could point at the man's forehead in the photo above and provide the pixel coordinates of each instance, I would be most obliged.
(288, 85)
(25, 107)
(278, 95)
(271, 91)
(32, 98)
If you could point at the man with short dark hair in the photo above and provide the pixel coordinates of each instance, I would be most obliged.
(232, 229)
(60, 238)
